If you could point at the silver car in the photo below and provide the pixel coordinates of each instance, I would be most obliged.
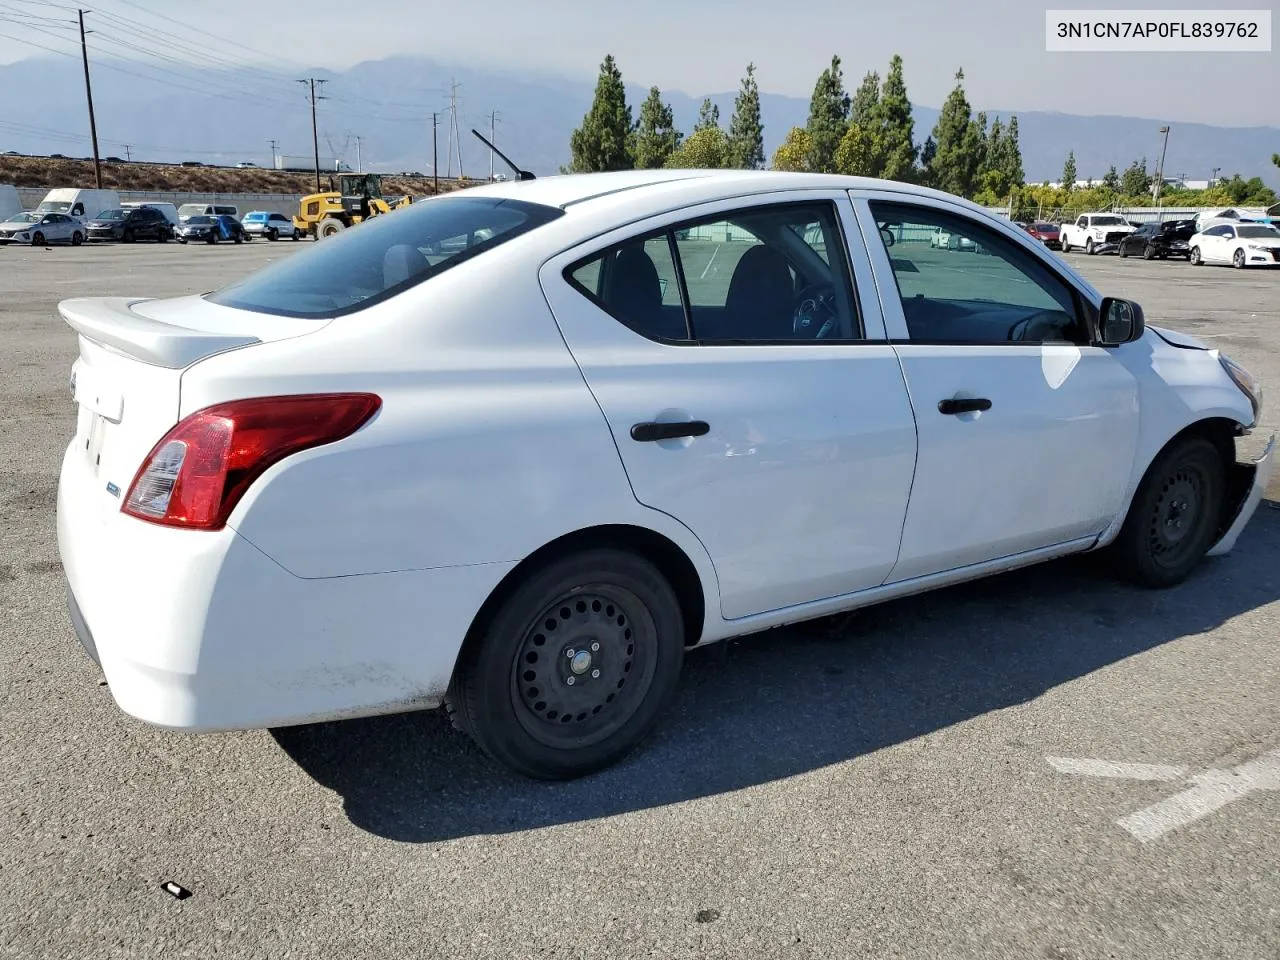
(39, 229)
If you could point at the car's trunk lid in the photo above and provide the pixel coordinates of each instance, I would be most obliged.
(127, 379)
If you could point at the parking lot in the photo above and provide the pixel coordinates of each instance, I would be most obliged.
(1041, 765)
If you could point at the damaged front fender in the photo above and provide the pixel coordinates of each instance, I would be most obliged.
(1248, 482)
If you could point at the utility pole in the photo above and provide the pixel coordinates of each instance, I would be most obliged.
(435, 160)
(315, 135)
(128, 157)
(273, 154)
(493, 123)
(1213, 177)
(359, 157)
(88, 92)
(1160, 169)
(455, 138)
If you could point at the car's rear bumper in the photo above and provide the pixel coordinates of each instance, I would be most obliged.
(201, 631)
(1262, 469)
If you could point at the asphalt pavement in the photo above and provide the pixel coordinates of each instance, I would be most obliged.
(1041, 765)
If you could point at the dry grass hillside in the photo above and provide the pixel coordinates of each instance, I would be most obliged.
(48, 172)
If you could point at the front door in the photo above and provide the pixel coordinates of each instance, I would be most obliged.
(1027, 433)
(733, 363)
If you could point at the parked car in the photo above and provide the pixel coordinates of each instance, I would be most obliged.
(127, 224)
(39, 229)
(1239, 244)
(1046, 233)
(212, 229)
(168, 209)
(295, 498)
(206, 210)
(1159, 240)
(1095, 232)
(946, 240)
(273, 226)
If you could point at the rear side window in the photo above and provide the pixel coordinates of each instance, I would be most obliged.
(383, 256)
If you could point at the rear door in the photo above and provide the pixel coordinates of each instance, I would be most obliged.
(751, 395)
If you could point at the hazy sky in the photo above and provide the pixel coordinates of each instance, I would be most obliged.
(701, 46)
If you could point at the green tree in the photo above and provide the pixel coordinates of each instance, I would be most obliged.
(603, 141)
(708, 116)
(656, 135)
(707, 148)
(1112, 180)
(860, 153)
(1011, 156)
(991, 171)
(1069, 172)
(746, 133)
(793, 153)
(828, 118)
(866, 100)
(954, 167)
(897, 126)
(927, 152)
(1275, 158)
(1251, 192)
(1135, 181)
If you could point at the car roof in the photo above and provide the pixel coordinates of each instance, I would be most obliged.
(644, 192)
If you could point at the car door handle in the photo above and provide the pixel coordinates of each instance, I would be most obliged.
(963, 405)
(650, 431)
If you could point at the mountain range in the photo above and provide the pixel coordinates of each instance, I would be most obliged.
(227, 116)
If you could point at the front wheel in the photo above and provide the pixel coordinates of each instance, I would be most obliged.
(1194, 257)
(1148, 252)
(37, 239)
(574, 668)
(1088, 246)
(77, 238)
(1237, 259)
(273, 234)
(1173, 520)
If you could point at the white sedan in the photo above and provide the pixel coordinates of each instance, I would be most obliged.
(40, 229)
(517, 448)
(1239, 244)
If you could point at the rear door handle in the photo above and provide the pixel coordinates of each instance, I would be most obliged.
(650, 430)
(963, 405)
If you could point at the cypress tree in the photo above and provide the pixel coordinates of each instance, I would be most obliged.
(746, 133)
(603, 142)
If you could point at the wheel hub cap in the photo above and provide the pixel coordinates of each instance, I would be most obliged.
(579, 662)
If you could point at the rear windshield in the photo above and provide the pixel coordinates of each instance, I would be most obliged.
(198, 221)
(377, 259)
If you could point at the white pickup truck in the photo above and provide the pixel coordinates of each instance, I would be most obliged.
(1095, 232)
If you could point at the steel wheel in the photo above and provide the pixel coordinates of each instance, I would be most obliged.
(1174, 517)
(586, 663)
(573, 666)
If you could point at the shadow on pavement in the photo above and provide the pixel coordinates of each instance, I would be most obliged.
(797, 699)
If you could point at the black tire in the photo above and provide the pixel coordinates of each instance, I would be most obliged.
(1065, 245)
(515, 683)
(1148, 252)
(1174, 517)
(1088, 246)
(1123, 252)
(77, 238)
(273, 234)
(37, 239)
(128, 236)
(213, 237)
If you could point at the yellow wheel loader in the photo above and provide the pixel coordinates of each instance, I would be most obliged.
(357, 198)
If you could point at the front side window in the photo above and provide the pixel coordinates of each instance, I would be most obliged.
(384, 257)
(768, 274)
(1260, 232)
(984, 289)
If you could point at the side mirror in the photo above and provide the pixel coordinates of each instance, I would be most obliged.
(887, 236)
(1121, 321)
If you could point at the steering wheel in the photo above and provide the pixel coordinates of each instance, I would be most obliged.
(1037, 325)
(816, 314)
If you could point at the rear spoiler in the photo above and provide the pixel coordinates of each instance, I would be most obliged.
(111, 322)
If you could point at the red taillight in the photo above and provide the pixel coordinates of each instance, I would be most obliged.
(201, 468)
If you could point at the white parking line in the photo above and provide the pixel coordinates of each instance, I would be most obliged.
(1210, 791)
(714, 254)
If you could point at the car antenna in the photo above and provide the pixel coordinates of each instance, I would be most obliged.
(520, 174)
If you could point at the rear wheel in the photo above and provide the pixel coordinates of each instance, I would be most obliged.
(1173, 519)
(1065, 245)
(575, 666)
(329, 227)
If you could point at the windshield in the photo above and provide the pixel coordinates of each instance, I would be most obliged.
(1258, 232)
(25, 218)
(384, 256)
(1046, 226)
(112, 215)
(255, 216)
(1109, 222)
(188, 209)
(55, 206)
(198, 221)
